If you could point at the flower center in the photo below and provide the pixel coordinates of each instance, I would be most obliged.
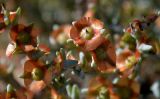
(87, 33)
(23, 38)
(37, 74)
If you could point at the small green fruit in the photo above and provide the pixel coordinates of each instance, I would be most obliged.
(87, 33)
(37, 74)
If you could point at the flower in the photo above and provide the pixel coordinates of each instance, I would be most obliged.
(7, 17)
(118, 88)
(20, 93)
(86, 32)
(124, 88)
(137, 27)
(23, 35)
(61, 34)
(24, 39)
(98, 88)
(33, 71)
(105, 57)
(126, 60)
(89, 34)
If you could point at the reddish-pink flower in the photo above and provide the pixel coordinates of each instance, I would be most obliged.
(90, 35)
(86, 33)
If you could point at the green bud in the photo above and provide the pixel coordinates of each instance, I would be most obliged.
(37, 74)
(62, 51)
(71, 43)
(18, 11)
(104, 33)
(103, 93)
(130, 61)
(10, 88)
(57, 53)
(103, 90)
(93, 63)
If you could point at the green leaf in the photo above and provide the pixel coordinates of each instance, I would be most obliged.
(18, 12)
(69, 90)
(62, 51)
(75, 92)
(82, 58)
(145, 47)
(71, 44)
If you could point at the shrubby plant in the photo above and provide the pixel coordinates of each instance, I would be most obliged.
(88, 65)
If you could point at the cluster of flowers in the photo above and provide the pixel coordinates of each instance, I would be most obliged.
(88, 54)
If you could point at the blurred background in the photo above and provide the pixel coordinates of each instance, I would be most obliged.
(116, 14)
(47, 14)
